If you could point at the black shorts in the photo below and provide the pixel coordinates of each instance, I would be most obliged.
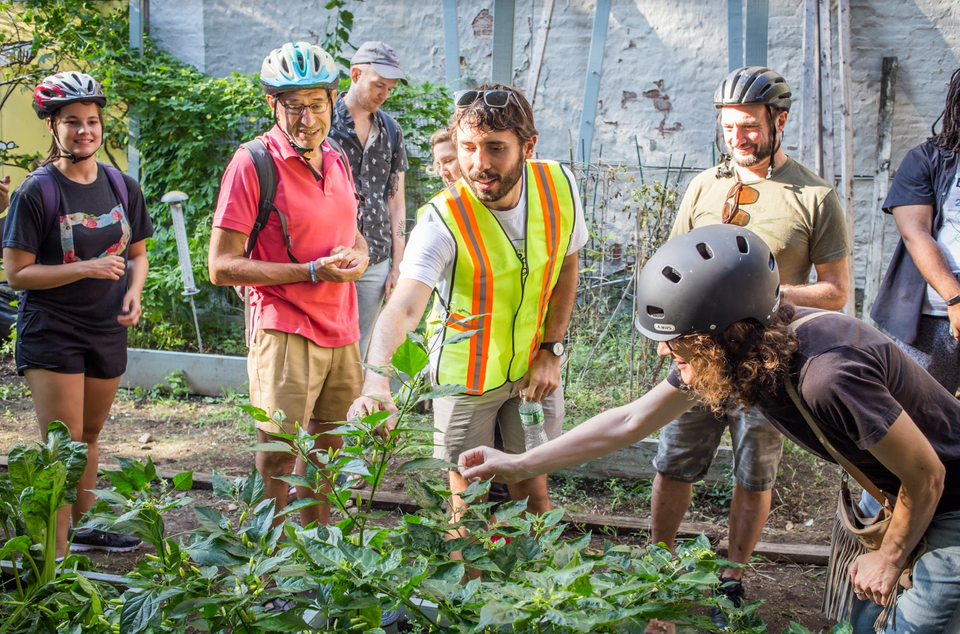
(45, 342)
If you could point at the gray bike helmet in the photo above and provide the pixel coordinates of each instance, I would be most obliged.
(705, 280)
(753, 85)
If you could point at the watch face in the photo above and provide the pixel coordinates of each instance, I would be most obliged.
(557, 349)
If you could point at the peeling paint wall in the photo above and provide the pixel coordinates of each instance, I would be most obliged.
(663, 59)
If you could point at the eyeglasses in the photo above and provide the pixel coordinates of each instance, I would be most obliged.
(739, 193)
(297, 111)
(493, 98)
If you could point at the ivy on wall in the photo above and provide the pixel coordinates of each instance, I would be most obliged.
(190, 124)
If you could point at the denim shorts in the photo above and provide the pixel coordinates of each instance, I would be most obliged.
(689, 444)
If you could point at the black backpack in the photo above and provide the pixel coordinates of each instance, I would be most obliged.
(267, 177)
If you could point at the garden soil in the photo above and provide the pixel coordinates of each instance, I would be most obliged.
(205, 435)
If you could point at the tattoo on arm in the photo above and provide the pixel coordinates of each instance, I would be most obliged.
(393, 184)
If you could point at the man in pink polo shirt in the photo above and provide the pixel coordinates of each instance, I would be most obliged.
(303, 358)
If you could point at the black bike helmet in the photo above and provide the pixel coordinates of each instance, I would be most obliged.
(753, 85)
(705, 280)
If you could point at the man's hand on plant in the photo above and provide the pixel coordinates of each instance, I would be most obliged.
(484, 463)
(368, 404)
(543, 377)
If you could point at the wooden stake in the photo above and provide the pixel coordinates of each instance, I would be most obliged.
(809, 91)
(846, 147)
(827, 166)
(539, 46)
(881, 181)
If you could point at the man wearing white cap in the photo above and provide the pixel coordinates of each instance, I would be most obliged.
(374, 145)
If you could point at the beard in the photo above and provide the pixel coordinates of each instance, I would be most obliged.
(502, 184)
(761, 152)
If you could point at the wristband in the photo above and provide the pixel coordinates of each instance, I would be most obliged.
(953, 301)
(313, 272)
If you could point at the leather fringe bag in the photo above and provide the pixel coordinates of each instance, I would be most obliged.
(853, 534)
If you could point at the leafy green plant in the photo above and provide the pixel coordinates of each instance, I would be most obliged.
(46, 595)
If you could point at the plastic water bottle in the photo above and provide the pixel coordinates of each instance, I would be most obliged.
(531, 415)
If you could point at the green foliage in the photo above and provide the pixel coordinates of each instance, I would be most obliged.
(46, 596)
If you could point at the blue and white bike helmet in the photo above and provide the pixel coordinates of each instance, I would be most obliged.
(298, 66)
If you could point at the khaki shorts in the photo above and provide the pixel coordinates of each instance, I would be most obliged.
(689, 444)
(465, 422)
(289, 372)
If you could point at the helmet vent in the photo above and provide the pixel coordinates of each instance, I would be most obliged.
(655, 312)
(772, 264)
(704, 250)
(742, 245)
(672, 274)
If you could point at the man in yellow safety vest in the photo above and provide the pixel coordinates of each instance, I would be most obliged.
(499, 248)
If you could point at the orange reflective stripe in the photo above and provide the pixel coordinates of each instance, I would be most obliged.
(456, 321)
(482, 286)
(550, 205)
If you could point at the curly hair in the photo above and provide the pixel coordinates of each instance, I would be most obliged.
(517, 116)
(724, 374)
(949, 136)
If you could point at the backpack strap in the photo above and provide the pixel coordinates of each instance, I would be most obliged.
(115, 177)
(361, 200)
(50, 197)
(267, 178)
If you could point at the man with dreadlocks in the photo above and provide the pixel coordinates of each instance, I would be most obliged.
(919, 300)
(304, 358)
(799, 217)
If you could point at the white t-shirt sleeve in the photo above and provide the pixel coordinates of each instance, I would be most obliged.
(580, 233)
(430, 251)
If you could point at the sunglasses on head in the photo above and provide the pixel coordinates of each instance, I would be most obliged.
(732, 214)
(494, 98)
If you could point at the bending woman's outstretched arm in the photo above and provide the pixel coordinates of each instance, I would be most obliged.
(599, 436)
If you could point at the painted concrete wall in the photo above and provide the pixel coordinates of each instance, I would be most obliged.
(663, 59)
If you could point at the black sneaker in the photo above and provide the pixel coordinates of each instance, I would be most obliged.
(92, 539)
(731, 589)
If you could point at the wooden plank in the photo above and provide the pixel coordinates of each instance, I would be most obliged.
(635, 463)
(881, 182)
(539, 47)
(591, 89)
(804, 554)
(846, 146)
(827, 166)
(809, 92)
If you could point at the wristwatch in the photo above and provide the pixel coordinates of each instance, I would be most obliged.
(953, 301)
(553, 346)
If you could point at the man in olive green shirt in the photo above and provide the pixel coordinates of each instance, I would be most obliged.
(800, 218)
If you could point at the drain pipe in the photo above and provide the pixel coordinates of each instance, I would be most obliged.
(175, 200)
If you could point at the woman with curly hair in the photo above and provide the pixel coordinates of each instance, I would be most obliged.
(74, 244)
(711, 299)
